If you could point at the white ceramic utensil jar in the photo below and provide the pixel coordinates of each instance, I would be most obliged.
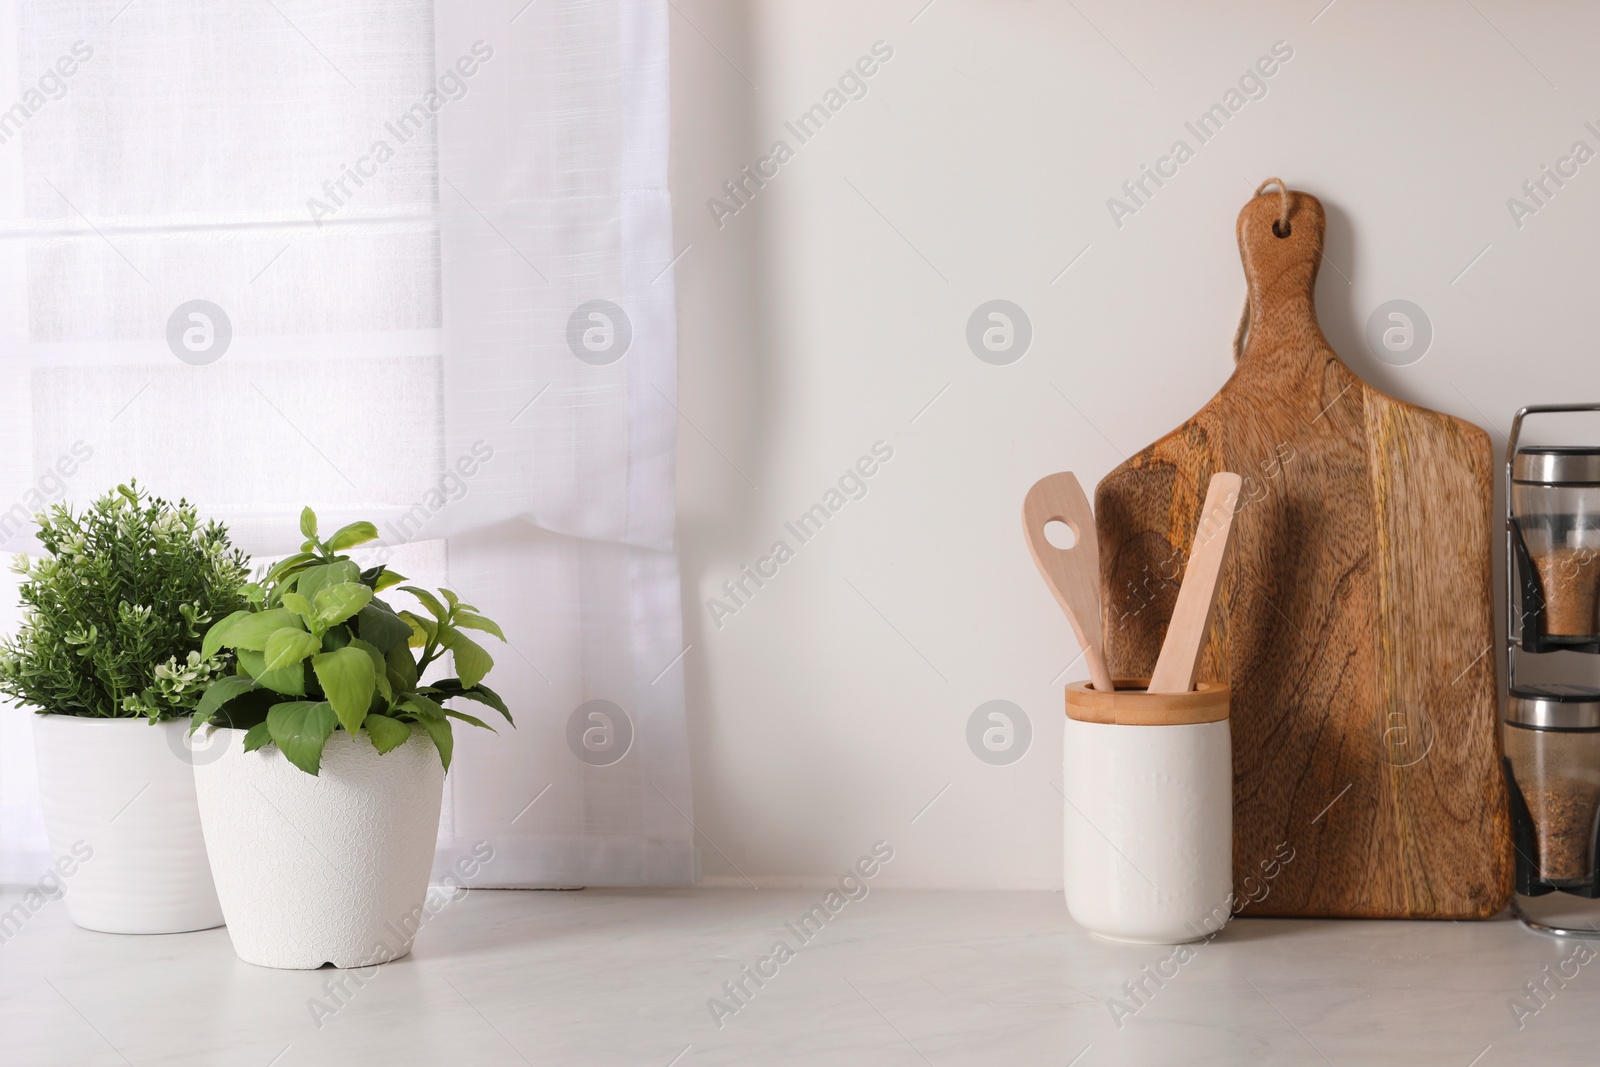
(1149, 815)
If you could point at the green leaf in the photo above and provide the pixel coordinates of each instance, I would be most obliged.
(308, 522)
(336, 603)
(472, 661)
(429, 601)
(387, 734)
(473, 621)
(380, 668)
(372, 651)
(443, 739)
(286, 566)
(247, 709)
(219, 633)
(402, 668)
(422, 629)
(220, 692)
(256, 736)
(454, 600)
(313, 580)
(301, 729)
(381, 578)
(450, 688)
(296, 603)
(357, 533)
(288, 646)
(252, 631)
(290, 681)
(347, 680)
(473, 719)
(422, 707)
(379, 625)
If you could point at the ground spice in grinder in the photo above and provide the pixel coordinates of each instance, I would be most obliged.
(1570, 580)
(1554, 495)
(1563, 811)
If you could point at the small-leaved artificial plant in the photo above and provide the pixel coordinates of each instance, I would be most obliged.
(116, 607)
(318, 651)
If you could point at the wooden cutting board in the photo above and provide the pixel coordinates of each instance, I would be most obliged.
(1355, 619)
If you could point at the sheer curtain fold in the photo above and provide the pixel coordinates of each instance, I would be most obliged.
(406, 216)
(553, 186)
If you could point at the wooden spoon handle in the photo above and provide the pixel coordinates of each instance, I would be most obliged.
(1073, 574)
(1197, 596)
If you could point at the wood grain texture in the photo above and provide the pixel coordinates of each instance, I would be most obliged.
(1355, 620)
(1073, 574)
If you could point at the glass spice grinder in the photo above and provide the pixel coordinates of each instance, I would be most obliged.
(1555, 508)
(1552, 732)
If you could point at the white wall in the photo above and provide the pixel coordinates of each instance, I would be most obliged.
(827, 313)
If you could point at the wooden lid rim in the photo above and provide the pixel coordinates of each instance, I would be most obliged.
(1128, 705)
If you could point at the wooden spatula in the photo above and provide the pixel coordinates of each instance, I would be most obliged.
(1073, 574)
(1197, 597)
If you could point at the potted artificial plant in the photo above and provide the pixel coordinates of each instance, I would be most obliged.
(322, 812)
(109, 655)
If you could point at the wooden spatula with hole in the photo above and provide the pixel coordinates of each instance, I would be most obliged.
(1073, 574)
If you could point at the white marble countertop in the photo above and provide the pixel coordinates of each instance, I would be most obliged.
(900, 977)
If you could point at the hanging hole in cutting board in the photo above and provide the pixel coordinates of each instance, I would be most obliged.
(1281, 228)
(1060, 534)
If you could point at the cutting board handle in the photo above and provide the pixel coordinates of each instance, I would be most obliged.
(1281, 272)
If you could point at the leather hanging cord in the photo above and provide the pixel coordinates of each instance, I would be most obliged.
(1281, 228)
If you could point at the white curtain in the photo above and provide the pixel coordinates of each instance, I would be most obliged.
(436, 241)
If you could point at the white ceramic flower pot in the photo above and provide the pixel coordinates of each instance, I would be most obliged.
(1149, 815)
(119, 809)
(326, 869)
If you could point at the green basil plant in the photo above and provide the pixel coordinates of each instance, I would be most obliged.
(319, 651)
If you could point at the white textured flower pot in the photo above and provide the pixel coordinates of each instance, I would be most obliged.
(326, 869)
(119, 810)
